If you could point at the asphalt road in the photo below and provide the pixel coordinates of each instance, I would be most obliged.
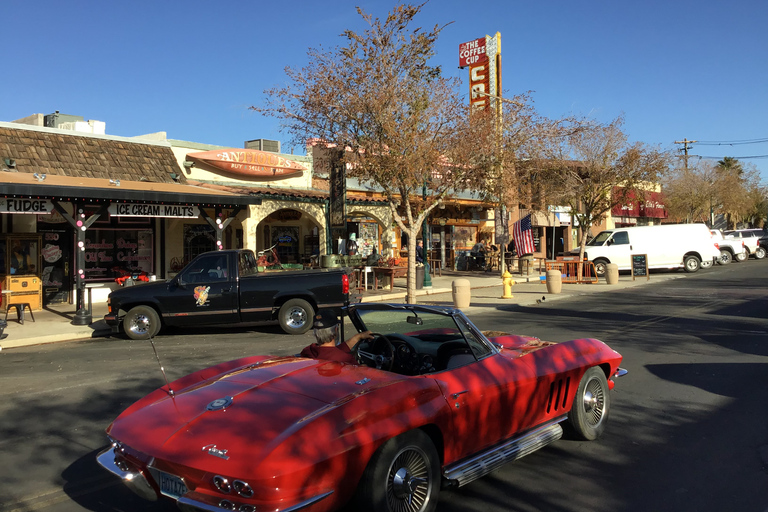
(688, 430)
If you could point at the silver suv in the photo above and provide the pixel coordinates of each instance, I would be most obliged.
(755, 241)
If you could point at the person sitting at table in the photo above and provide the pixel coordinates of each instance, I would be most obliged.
(478, 253)
(326, 346)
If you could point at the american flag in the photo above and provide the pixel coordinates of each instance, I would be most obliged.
(523, 234)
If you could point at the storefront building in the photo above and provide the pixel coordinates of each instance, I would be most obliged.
(89, 209)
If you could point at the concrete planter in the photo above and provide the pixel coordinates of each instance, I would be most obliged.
(554, 281)
(612, 273)
(462, 294)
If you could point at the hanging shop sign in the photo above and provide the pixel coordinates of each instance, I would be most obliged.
(31, 206)
(153, 210)
(472, 52)
(649, 204)
(250, 163)
(483, 57)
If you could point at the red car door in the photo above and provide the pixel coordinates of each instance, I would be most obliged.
(489, 402)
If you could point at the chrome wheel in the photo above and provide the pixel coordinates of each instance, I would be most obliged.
(589, 412)
(594, 402)
(295, 316)
(760, 253)
(141, 322)
(408, 482)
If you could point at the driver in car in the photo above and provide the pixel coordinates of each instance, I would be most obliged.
(326, 327)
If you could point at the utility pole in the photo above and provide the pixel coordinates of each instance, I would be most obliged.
(686, 144)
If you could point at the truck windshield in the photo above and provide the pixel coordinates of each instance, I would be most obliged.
(600, 238)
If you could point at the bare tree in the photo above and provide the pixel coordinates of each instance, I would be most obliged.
(691, 193)
(509, 158)
(596, 169)
(402, 125)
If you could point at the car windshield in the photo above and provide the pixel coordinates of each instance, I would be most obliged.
(600, 238)
(424, 341)
(409, 322)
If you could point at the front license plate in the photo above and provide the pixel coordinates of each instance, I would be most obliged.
(170, 485)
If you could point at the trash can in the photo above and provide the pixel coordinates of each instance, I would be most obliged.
(554, 281)
(611, 273)
(420, 276)
(462, 293)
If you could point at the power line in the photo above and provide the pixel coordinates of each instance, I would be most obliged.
(732, 142)
(735, 157)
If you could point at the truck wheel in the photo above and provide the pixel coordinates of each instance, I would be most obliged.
(742, 256)
(600, 267)
(691, 263)
(141, 322)
(760, 253)
(296, 316)
(725, 257)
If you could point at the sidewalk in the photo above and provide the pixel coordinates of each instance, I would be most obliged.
(54, 323)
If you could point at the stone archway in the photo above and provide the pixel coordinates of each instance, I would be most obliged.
(311, 214)
(383, 217)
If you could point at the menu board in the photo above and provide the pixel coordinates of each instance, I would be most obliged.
(640, 266)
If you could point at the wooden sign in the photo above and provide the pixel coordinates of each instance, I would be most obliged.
(251, 163)
(640, 266)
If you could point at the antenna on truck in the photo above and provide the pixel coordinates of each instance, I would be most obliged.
(162, 370)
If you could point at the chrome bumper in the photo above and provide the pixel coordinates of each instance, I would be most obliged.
(134, 480)
(191, 501)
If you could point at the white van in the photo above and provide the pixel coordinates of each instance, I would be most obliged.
(667, 246)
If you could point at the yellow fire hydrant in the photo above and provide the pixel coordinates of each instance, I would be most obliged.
(507, 281)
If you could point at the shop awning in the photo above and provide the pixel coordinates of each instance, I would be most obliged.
(70, 188)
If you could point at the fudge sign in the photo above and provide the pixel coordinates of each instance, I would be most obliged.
(153, 210)
(35, 206)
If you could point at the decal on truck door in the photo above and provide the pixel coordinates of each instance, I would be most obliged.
(201, 295)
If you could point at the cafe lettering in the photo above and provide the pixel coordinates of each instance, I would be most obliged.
(153, 210)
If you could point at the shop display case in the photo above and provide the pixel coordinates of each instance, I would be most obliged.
(20, 267)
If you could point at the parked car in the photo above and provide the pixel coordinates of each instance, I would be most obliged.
(751, 239)
(431, 402)
(730, 248)
(666, 246)
(227, 288)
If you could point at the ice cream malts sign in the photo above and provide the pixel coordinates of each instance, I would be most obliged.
(153, 210)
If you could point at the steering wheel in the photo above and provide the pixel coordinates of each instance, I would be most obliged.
(379, 360)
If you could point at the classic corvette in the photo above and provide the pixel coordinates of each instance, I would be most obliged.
(432, 403)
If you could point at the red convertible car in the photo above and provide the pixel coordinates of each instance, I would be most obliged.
(432, 403)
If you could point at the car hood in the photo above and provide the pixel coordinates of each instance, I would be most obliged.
(250, 408)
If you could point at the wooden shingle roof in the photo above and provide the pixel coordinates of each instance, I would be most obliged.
(62, 153)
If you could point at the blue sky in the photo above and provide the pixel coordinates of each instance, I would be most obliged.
(675, 68)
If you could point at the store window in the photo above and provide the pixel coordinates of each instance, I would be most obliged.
(198, 238)
(113, 253)
(464, 237)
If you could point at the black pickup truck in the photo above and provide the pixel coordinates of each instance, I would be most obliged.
(227, 288)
